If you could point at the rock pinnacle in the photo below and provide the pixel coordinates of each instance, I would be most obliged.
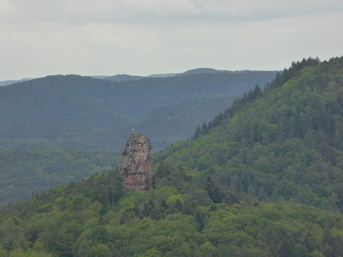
(136, 163)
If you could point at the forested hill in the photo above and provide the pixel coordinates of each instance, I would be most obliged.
(262, 179)
(283, 143)
(89, 115)
(83, 112)
(27, 172)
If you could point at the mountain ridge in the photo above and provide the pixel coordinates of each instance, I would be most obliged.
(124, 77)
(96, 108)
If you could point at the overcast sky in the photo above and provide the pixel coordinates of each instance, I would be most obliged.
(142, 37)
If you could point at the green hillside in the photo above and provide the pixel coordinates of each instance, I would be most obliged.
(282, 144)
(93, 218)
(264, 178)
(82, 112)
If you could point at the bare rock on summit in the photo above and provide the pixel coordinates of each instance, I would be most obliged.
(136, 163)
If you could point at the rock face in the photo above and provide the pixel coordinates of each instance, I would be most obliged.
(136, 163)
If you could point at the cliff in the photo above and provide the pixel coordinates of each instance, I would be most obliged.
(136, 163)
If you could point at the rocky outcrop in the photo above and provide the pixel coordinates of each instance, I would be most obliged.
(136, 163)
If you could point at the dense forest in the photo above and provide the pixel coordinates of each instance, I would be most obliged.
(82, 112)
(263, 178)
(94, 218)
(281, 144)
(27, 172)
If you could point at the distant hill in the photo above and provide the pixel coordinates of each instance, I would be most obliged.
(201, 70)
(122, 77)
(83, 112)
(10, 82)
(164, 75)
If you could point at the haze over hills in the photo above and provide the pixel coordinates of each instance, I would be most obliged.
(83, 112)
(10, 82)
(124, 77)
(87, 113)
(263, 178)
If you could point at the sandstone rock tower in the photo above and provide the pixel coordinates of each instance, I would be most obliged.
(136, 163)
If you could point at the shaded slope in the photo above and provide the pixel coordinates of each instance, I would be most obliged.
(27, 172)
(75, 111)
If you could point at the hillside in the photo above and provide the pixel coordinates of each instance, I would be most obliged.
(24, 173)
(282, 144)
(83, 112)
(93, 218)
(262, 179)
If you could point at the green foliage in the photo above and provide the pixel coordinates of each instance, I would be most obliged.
(280, 144)
(27, 172)
(82, 226)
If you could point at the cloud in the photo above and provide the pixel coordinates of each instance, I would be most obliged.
(142, 11)
(41, 37)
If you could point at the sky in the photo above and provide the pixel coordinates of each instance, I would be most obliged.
(143, 37)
